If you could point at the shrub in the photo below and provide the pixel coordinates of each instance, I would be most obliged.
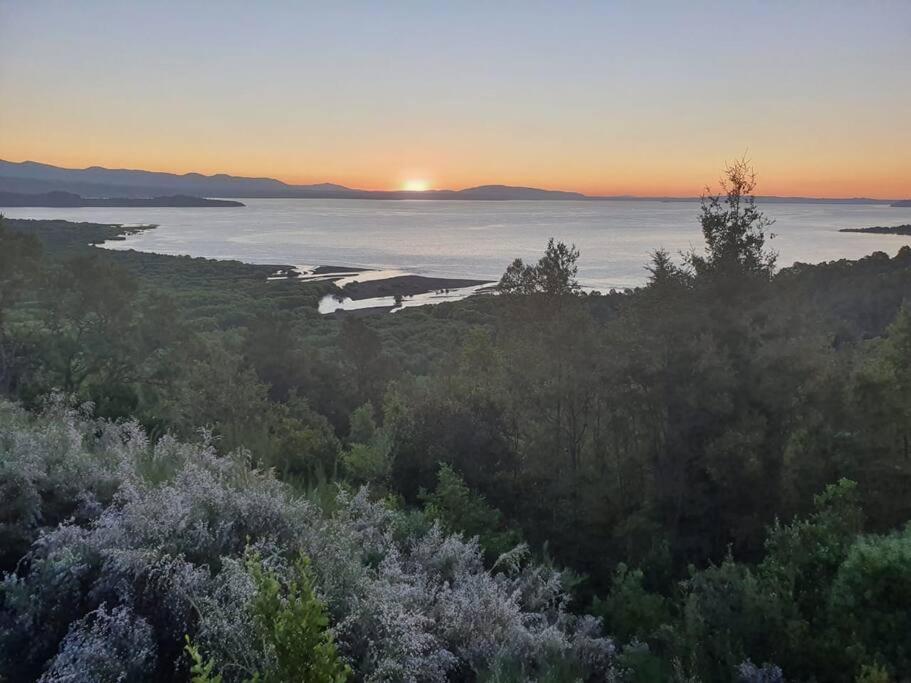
(156, 551)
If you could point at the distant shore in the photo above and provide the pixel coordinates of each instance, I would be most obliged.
(882, 230)
(68, 200)
(372, 287)
(96, 181)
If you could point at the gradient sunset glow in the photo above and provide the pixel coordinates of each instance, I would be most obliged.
(601, 98)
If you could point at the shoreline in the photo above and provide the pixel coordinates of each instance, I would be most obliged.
(881, 230)
(69, 200)
(340, 305)
(407, 285)
(378, 284)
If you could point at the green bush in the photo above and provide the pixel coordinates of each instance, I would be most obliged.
(293, 625)
(292, 628)
(460, 509)
(870, 600)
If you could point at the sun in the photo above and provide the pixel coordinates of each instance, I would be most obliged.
(415, 185)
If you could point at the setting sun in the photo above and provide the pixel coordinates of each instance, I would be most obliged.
(415, 185)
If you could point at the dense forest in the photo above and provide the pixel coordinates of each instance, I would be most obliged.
(706, 478)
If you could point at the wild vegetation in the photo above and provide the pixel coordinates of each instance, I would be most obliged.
(705, 478)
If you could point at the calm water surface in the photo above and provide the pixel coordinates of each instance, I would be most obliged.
(475, 239)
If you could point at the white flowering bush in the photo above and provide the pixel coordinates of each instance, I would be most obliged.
(747, 672)
(104, 645)
(115, 548)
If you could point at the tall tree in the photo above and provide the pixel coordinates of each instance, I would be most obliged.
(553, 275)
(734, 228)
(362, 348)
(19, 260)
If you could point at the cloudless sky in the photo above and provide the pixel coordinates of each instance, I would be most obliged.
(601, 97)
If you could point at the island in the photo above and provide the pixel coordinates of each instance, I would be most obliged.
(882, 230)
(406, 285)
(903, 203)
(70, 200)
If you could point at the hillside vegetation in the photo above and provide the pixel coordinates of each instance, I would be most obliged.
(705, 478)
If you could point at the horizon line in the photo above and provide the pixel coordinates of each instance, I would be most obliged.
(417, 193)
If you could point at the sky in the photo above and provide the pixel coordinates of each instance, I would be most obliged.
(644, 98)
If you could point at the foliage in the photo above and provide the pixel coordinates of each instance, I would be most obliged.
(202, 670)
(368, 462)
(870, 596)
(553, 275)
(798, 607)
(362, 424)
(18, 255)
(457, 508)
(104, 646)
(291, 624)
(162, 536)
(747, 672)
(734, 229)
(631, 612)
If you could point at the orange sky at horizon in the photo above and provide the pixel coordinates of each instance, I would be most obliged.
(607, 99)
(880, 182)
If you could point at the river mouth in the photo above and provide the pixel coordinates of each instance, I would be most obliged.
(331, 303)
(382, 290)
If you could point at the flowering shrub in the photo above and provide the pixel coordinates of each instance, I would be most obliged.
(291, 623)
(747, 672)
(128, 546)
(104, 646)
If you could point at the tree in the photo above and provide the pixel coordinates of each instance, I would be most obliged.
(220, 391)
(19, 261)
(367, 458)
(291, 627)
(881, 413)
(91, 325)
(294, 626)
(518, 279)
(664, 273)
(734, 229)
(271, 346)
(460, 509)
(630, 611)
(299, 443)
(871, 597)
(362, 349)
(553, 275)
(19, 256)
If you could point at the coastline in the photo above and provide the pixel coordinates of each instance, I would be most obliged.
(881, 230)
(385, 288)
(64, 200)
(406, 285)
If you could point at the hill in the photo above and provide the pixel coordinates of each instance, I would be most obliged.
(29, 177)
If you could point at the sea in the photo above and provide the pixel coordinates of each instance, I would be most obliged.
(477, 239)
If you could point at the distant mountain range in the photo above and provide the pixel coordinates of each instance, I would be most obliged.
(30, 177)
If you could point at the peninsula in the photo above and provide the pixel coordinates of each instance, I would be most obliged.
(882, 230)
(68, 199)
